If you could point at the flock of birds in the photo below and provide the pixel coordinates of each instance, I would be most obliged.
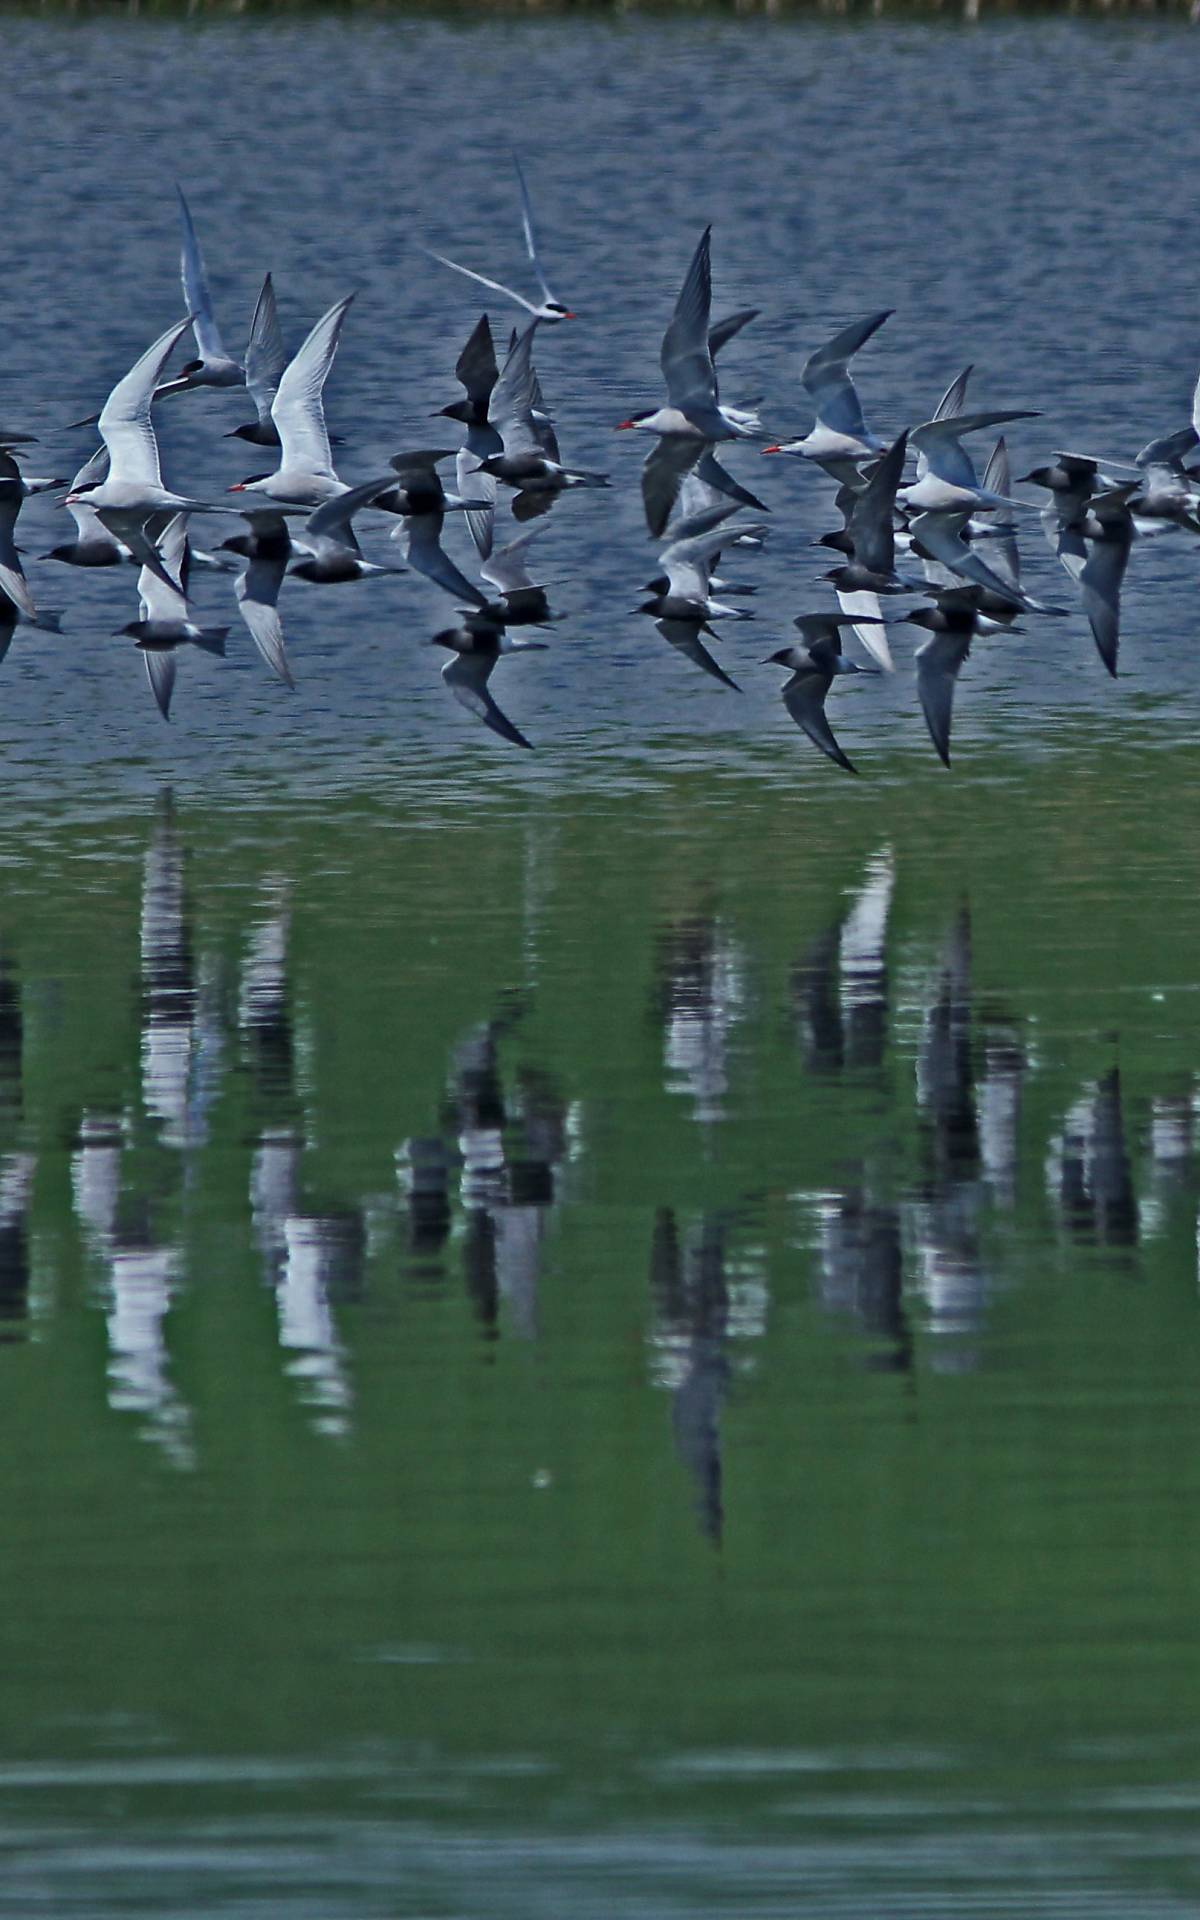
(944, 520)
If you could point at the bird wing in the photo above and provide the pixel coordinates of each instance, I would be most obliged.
(940, 534)
(938, 661)
(297, 409)
(476, 369)
(871, 522)
(505, 569)
(1100, 586)
(495, 285)
(527, 229)
(467, 678)
(257, 591)
(713, 474)
(672, 456)
(266, 355)
(937, 443)
(510, 409)
(331, 520)
(125, 416)
(684, 636)
(688, 560)
(161, 600)
(1003, 552)
(160, 672)
(425, 553)
(955, 396)
(90, 474)
(828, 383)
(687, 362)
(804, 698)
(197, 297)
(726, 330)
(865, 606)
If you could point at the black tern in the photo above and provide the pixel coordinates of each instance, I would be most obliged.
(477, 645)
(813, 668)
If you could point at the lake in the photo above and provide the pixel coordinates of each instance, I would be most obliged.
(610, 1330)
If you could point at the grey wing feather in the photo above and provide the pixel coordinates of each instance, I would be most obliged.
(331, 520)
(467, 677)
(425, 553)
(256, 593)
(160, 672)
(865, 606)
(266, 355)
(684, 636)
(954, 398)
(710, 470)
(673, 456)
(196, 295)
(510, 409)
(476, 369)
(827, 381)
(125, 416)
(1002, 549)
(297, 409)
(726, 330)
(687, 363)
(804, 698)
(938, 662)
(505, 569)
(1100, 589)
(871, 520)
(527, 228)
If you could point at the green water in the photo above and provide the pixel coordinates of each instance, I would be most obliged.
(718, 1366)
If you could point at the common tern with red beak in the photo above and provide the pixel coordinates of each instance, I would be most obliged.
(548, 308)
(305, 476)
(839, 438)
(214, 368)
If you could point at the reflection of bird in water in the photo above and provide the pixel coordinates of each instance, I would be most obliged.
(691, 1317)
(700, 997)
(182, 1032)
(944, 1214)
(1089, 1171)
(998, 1106)
(16, 1187)
(840, 988)
(142, 1277)
(324, 1261)
(507, 1148)
(861, 1271)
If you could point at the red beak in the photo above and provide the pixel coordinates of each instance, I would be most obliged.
(777, 448)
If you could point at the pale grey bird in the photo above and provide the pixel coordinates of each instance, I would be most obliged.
(305, 476)
(687, 564)
(132, 501)
(946, 480)
(477, 644)
(548, 308)
(214, 368)
(839, 439)
(813, 668)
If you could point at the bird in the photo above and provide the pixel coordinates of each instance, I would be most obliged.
(305, 475)
(839, 437)
(166, 621)
(332, 556)
(521, 602)
(132, 495)
(548, 308)
(266, 358)
(477, 643)
(1109, 528)
(214, 368)
(687, 564)
(93, 545)
(693, 418)
(523, 464)
(14, 588)
(813, 667)
(946, 480)
(870, 536)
